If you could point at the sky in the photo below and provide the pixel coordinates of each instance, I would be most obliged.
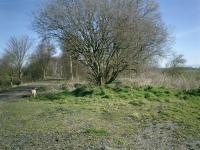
(15, 19)
(182, 18)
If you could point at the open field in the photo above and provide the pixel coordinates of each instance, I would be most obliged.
(112, 117)
(99, 75)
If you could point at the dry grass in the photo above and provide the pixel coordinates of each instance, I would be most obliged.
(185, 81)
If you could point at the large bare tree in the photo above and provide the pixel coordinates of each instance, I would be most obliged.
(107, 36)
(17, 50)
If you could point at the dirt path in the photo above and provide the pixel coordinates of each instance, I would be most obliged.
(25, 90)
(15, 93)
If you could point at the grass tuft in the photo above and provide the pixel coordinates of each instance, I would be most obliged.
(96, 132)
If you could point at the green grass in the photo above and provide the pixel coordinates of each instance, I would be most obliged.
(92, 116)
(95, 132)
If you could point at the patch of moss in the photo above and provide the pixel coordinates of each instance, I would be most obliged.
(96, 132)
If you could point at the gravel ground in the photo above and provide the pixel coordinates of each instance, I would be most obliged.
(164, 136)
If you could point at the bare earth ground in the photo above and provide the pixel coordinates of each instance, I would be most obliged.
(163, 136)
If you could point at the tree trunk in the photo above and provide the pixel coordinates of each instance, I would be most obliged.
(11, 81)
(71, 68)
(76, 73)
(20, 76)
(99, 80)
(44, 74)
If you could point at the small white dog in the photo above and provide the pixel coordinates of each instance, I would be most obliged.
(33, 92)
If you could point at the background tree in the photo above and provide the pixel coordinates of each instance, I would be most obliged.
(33, 70)
(43, 54)
(107, 36)
(67, 59)
(175, 64)
(17, 50)
(71, 67)
(7, 71)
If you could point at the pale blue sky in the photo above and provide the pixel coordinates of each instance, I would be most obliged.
(181, 16)
(183, 20)
(16, 18)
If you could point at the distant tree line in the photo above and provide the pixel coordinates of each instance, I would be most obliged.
(19, 65)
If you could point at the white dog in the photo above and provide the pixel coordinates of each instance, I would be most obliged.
(33, 92)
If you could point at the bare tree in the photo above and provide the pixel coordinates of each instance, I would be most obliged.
(175, 64)
(33, 70)
(107, 36)
(43, 54)
(65, 47)
(17, 49)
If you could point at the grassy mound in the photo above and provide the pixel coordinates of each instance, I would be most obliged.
(148, 93)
